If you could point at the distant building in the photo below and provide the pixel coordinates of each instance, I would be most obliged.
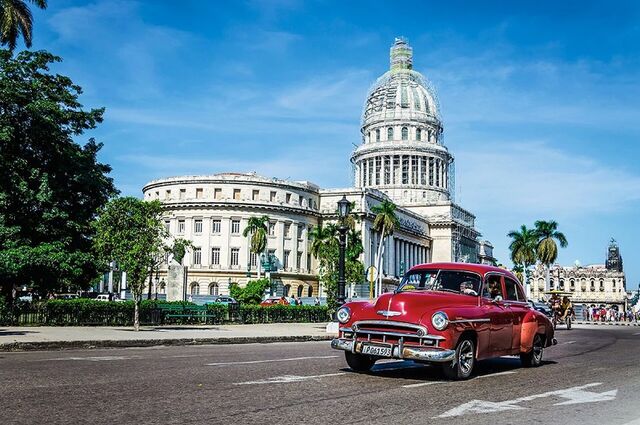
(598, 284)
(402, 158)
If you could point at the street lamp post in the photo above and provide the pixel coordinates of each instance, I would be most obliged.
(156, 281)
(343, 211)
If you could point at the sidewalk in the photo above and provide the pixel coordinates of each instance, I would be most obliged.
(56, 338)
(585, 322)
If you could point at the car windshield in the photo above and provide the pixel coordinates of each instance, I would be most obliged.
(459, 282)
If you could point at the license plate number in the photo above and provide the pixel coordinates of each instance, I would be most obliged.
(376, 350)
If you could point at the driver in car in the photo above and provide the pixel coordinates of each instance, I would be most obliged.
(467, 288)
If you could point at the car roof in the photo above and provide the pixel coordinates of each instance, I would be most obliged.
(481, 269)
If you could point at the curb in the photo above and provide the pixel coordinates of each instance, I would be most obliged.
(68, 345)
(608, 323)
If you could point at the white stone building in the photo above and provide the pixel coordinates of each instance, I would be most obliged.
(598, 284)
(402, 158)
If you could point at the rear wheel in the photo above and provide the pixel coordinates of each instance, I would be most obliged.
(534, 357)
(359, 362)
(465, 360)
(568, 322)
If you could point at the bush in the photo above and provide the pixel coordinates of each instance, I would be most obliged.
(87, 312)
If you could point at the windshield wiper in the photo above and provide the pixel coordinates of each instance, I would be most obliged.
(446, 290)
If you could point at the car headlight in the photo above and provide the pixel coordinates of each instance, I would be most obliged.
(439, 320)
(343, 314)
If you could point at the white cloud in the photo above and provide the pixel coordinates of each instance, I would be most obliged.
(525, 179)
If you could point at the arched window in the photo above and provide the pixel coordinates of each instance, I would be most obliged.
(300, 288)
(418, 134)
(310, 292)
(390, 133)
(213, 289)
(195, 288)
(601, 285)
(614, 283)
(377, 135)
(572, 284)
(285, 290)
(405, 133)
(551, 283)
(561, 284)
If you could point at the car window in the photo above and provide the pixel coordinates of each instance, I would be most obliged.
(442, 280)
(492, 287)
(510, 286)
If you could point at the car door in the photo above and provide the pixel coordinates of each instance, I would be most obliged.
(517, 303)
(499, 314)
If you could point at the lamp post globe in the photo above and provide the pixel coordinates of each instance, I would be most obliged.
(343, 211)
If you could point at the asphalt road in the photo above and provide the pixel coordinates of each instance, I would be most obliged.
(591, 376)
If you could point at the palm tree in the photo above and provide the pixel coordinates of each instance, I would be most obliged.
(257, 228)
(547, 249)
(16, 19)
(386, 222)
(523, 250)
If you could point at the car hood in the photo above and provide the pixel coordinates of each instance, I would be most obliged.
(409, 306)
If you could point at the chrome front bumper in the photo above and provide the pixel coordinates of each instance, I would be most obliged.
(426, 354)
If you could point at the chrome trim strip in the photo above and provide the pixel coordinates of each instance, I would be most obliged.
(389, 323)
(400, 334)
(469, 320)
(407, 352)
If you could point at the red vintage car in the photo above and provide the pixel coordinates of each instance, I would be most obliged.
(448, 313)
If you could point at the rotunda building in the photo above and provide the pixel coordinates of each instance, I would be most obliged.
(402, 152)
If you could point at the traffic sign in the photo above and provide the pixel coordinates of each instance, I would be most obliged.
(372, 274)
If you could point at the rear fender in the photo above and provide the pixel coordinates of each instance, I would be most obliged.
(532, 325)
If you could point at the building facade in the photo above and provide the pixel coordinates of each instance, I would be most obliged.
(598, 284)
(402, 158)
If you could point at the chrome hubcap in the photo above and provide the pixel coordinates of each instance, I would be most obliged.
(465, 357)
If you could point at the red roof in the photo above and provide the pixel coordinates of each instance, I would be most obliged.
(477, 268)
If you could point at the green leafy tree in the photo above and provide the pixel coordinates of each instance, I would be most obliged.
(326, 249)
(50, 187)
(250, 294)
(179, 249)
(523, 249)
(257, 228)
(131, 232)
(547, 249)
(15, 20)
(385, 223)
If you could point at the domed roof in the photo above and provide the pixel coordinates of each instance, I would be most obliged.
(401, 93)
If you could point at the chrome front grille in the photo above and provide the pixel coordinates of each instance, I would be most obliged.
(388, 332)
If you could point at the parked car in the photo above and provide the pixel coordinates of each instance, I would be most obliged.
(274, 301)
(66, 296)
(450, 314)
(542, 308)
(225, 300)
(102, 297)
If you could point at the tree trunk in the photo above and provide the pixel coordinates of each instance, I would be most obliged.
(136, 314)
(547, 283)
(150, 283)
(259, 266)
(378, 258)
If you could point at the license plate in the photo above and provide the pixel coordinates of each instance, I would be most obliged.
(376, 350)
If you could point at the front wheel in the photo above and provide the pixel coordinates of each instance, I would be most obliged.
(359, 362)
(534, 357)
(568, 322)
(465, 360)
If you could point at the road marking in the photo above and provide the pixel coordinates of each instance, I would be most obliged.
(95, 358)
(292, 359)
(491, 375)
(574, 395)
(422, 384)
(569, 342)
(287, 379)
(637, 333)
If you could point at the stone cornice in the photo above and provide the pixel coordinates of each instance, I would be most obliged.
(226, 205)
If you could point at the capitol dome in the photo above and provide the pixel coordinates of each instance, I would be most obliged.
(402, 152)
(401, 93)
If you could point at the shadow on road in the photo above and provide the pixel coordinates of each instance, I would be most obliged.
(432, 373)
(12, 332)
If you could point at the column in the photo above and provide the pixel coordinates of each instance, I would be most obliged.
(410, 169)
(110, 285)
(392, 257)
(123, 286)
(419, 158)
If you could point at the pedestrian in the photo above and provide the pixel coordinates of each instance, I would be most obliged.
(316, 301)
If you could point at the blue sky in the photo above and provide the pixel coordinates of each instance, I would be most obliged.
(540, 101)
